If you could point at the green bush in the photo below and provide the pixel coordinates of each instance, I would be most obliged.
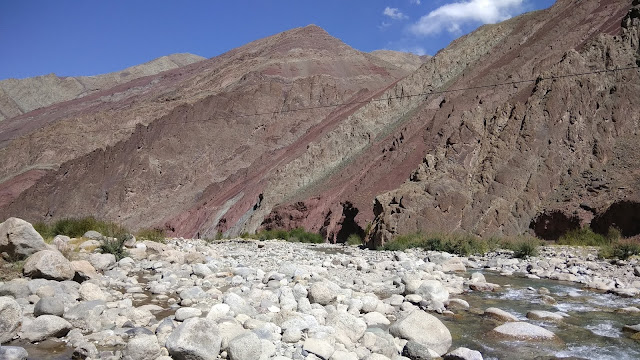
(295, 235)
(115, 246)
(525, 246)
(583, 237)
(464, 244)
(156, 235)
(76, 227)
(620, 249)
(354, 239)
(461, 244)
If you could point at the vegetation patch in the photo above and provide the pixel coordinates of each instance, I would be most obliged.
(354, 239)
(295, 235)
(620, 249)
(156, 235)
(583, 237)
(464, 244)
(115, 246)
(76, 227)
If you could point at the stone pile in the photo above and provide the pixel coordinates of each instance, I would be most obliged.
(239, 299)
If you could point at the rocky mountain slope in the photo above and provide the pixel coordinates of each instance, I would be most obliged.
(494, 159)
(19, 96)
(493, 135)
(148, 150)
(404, 60)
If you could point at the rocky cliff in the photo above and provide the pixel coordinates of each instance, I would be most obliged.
(502, 137)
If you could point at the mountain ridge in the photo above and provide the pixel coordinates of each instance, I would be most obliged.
(19, 96)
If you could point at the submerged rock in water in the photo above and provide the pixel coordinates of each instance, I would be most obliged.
(499, 314)
(523, 331)
(462, 353)
(544, 315)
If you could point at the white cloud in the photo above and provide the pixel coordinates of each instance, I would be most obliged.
(452, 17)
(415, 2)
(394, 13)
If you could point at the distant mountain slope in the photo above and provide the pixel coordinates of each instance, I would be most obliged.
(404, 60)
(148, 151)
(19, 96)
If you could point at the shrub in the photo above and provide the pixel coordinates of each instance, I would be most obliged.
(354, 239)
(156, 235)
(525, 247)
(76, 227)
(620, 249)
(583, 237)
(295, 235)
(464, 244)
(461, 244)
(115, 246)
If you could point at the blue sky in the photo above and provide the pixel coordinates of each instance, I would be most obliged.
(80, 37)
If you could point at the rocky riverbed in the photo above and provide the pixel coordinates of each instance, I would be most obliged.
(246, 299)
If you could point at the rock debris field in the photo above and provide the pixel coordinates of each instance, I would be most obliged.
(246, 299)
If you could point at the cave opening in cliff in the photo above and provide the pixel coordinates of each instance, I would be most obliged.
(550, 225)
(349, 225)
(623, 215)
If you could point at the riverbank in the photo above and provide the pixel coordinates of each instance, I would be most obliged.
(248, 299)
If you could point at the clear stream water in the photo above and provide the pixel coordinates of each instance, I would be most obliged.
(593, 329)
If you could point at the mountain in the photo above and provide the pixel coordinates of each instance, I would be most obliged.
(483, 158)
(526, 125)
(403, 60)
(19, 96)
(149, 151)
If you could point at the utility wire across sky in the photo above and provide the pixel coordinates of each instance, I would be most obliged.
(389, 98)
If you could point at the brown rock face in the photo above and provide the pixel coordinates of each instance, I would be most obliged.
(493, 159)
(499, 157)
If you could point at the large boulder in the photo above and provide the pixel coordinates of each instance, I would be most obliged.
(433, 290)
(523, 331)
(320, 347)
(322, 292)
(18, 239)
(49, 306)
(49, 264)
(102, 261)
(349, 329)
(86, 315)
(13, 353)
(142, 347)
(194, 339)
(44, 327)
(10, 318)
(425, 329)
(245, 347)
(84, 270)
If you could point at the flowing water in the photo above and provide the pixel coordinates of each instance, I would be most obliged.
(592, 329)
